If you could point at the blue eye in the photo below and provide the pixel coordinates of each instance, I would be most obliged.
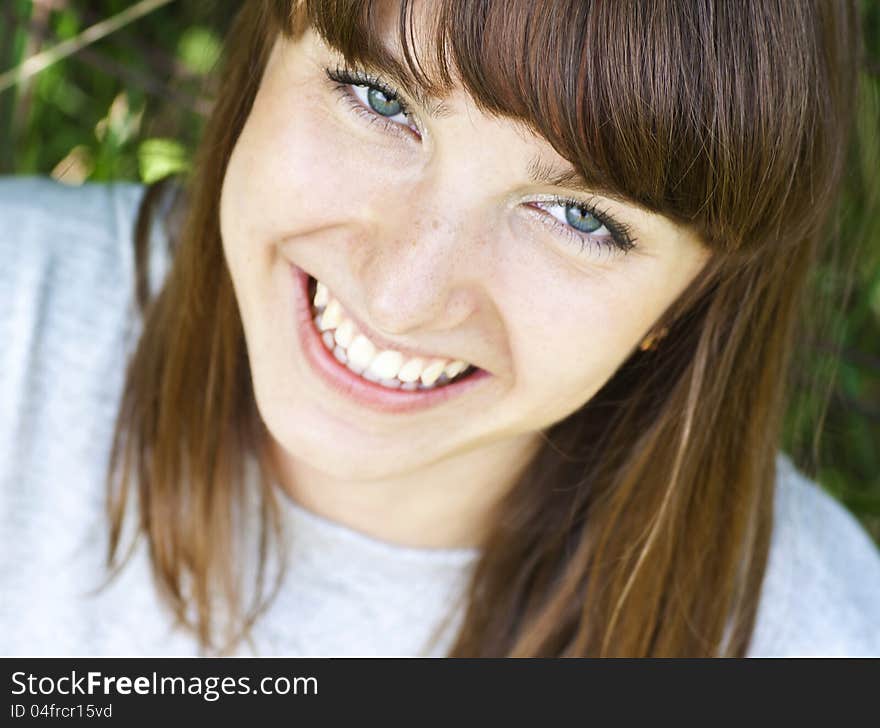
(371, 98)
(585, 225)
(582, 220)
(382, 103)
(578, 217)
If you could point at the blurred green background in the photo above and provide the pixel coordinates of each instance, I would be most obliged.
(130, 105)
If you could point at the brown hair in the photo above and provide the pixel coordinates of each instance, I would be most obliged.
(641, 527)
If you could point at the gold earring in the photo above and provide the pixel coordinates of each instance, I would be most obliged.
(650, 342)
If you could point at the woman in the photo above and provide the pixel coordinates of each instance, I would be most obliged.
(474, 340)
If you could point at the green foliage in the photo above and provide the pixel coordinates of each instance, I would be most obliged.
(842, 445)
(160, 158)
(131, 106)
(198, 50)
(87, 117)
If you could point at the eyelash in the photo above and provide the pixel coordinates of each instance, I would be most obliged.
(621, 239)
(343, 78)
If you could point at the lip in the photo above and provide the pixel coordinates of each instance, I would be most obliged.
(348, 384)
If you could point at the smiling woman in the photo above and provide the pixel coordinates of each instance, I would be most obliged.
(475, 338)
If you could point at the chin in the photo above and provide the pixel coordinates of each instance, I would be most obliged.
(334, 446)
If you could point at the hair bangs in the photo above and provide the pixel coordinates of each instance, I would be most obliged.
(685, 109)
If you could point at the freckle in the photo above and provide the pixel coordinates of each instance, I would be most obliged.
(435, 223)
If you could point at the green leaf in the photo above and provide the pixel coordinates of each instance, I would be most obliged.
(198, 50)
(159, 158)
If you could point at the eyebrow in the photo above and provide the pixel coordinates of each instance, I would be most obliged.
(434, 108)
(542, 173)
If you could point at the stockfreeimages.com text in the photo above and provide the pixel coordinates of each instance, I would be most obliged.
(210, 688)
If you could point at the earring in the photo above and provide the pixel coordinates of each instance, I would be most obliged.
(650, 342)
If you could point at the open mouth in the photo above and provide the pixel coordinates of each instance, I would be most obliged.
(390, 368)
(385, 380)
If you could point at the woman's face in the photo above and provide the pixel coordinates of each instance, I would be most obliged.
(431, 234)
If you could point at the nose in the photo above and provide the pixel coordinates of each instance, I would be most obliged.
(421, 273)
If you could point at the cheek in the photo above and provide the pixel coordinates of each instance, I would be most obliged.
(586, 330)
(576, 339)
(284, 176)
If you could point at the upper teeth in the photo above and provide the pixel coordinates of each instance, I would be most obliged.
(363, 356)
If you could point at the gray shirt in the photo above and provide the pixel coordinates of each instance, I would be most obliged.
(67, 324)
